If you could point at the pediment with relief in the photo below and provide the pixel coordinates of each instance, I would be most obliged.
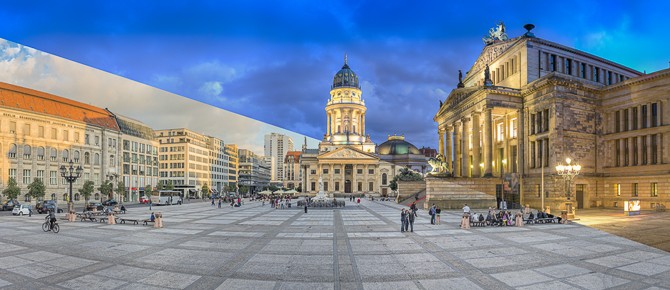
(347, 153)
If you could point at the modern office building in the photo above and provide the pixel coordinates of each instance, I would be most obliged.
(232, 156)
(139, 158)
(254, 172)
(276, 146)
(528, 103)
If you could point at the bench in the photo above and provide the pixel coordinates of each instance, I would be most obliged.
(135, 221)
(104, 219)
(546, 220)
(147, 221)
(88, 218)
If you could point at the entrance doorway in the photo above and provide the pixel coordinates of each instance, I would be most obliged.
(347, 186)
(580, 196)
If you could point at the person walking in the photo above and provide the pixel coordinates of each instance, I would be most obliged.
(403, 219)
(410, 220)
(305, 207)
(431, 212)
(438, 211)
(413, 208)
(150, 204)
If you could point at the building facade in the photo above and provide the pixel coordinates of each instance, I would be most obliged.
(254, 172)
(40, 132)
(527, 104)
(276, 146)
(233, 165)
(346, 160)
(139, 158)
(292, 173)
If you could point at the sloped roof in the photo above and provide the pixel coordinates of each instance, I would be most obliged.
(43, 103)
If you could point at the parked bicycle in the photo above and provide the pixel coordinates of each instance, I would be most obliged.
(46, 226)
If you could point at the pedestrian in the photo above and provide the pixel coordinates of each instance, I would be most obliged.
(438, 211)
(410, 221)
(466, 208)
(305, 207)
(219, 203)
(212, 201)
(432, 213)
(403, 220)
(358, 201)
(413, 208)
(149, 204)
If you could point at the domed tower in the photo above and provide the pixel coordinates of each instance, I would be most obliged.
(345, 113)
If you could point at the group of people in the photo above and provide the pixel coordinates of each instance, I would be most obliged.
(434, 213)
(407, 217)
(278, 202)
(233, 202)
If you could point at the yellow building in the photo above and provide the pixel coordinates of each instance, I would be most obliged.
(346, 159)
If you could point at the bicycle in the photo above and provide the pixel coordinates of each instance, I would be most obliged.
(46, 224)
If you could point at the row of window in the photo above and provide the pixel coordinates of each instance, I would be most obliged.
(371, 186)
(539, 153)
(640, 150)
(53, 177)
(539, 122)
(139, 147)
(27, 131)
(337, 171)
(557, 63)
(53, 154)
(630, 119)
(504, 71)
(634, 189)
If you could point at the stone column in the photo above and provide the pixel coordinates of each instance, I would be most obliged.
(353, 178)
(476, 148)
(488, 142)
(331, 177)
(465, 147)
(521, 141)
(328, 123)
(440, 143)
(363, 127)
(449, 148)
(648, 137)
(457, 149)
(365, 173)
(659, 148)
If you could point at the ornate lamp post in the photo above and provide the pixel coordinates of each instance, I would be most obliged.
(568, 172)
(71, 174)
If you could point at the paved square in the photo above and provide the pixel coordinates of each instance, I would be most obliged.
(356, 247)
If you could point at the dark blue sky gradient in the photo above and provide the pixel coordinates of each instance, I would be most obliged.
(274, 60)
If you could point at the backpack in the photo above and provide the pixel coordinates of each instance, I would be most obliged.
(431, 211)
(481, 218)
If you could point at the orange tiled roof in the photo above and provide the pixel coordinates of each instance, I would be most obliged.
(43, 103)
(295, 155)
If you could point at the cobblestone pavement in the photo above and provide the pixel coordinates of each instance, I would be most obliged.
(358, 247)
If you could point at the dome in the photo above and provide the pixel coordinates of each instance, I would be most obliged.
(345, 77)
(396, 145)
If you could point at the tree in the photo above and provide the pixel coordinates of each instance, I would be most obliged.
(244, 189)
(169, 185)
(148, 189)
(12, 191)
(205, 189)
(37, 189)
(405, 174)
(106, 188)
(232, 187)
(159, 186)
(87, 189)
(121, 189)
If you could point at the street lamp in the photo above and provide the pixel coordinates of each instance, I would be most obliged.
(502, 184)
(71, 174)
(568, 172)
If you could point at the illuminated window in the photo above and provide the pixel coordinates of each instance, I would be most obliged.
(501, 133)
(634, 189)
(654, 189)
(617, 189)
(513, 128)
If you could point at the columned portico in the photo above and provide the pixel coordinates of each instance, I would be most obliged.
(476, 148)
(488, 142)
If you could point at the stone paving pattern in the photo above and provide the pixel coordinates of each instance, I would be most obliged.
(358, 247)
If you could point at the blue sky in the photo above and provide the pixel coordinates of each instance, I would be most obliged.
(274, 60)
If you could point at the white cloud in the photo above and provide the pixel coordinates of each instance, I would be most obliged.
(211, 89)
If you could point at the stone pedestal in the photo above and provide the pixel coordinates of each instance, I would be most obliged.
(453, 193)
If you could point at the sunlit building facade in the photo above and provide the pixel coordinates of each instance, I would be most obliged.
(527, 104)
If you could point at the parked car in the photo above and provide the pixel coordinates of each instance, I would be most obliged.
(22, 209)
(9, 205)
(94, 205)
(47, 205)
(110, 202)
(144, 199)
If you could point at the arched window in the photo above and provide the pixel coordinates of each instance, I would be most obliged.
(12, 151)
(26, 151)
(87, 158)
(64, 196)
(26, 198)
(76, 196)
(76, 156)
(384, 178)
(66, 155)
(96, 159)
(53, 155)
(40, 153)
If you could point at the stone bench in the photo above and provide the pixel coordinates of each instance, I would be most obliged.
(124, 220)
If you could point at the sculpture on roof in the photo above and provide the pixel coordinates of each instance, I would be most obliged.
(487, 77)
(460, 80)
(496, 33)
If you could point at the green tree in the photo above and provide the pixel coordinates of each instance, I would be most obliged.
(106, 188)
(169, 185)
(159, 186)
(37, 189)
(121, 189)
(244, 189)
(12, 191)
(148, 189)
(87, 189)
(232, 187)
(205, 190)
